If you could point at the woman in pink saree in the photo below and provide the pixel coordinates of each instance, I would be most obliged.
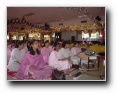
(56, 61)
(45, 51)
(33, 66)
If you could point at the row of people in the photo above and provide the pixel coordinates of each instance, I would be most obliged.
(37, 62)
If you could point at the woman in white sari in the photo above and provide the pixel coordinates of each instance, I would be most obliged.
(56, 61)
(65, 52)
(10, 47)
(17, 55)
(75, 51)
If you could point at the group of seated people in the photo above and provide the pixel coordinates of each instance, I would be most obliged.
(31, 60)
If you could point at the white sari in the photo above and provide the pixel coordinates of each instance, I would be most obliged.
(16, 56)
(65, 53)
(74, 58)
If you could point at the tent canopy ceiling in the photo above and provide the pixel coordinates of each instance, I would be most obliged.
(40, 15)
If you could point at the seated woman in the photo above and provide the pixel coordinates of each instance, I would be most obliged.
(39, 46)
(56, 61)
(45, 51)
(27, 46)
(10, 47)
(51, 46)
(33, 66)
(65, 52)
(16, 58)
(75, 51)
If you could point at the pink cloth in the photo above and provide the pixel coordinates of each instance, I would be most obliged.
(45, 52)
(79, 50)
(51, 48)
(45, 58)
(39, 48)
(41, 70)
(54, 61)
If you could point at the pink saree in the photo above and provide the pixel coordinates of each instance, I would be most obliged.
(41, 70)
(45, 53)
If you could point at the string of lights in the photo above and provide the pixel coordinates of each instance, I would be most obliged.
(86, 28)
(84, 11)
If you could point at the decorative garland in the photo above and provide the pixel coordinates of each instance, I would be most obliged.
(22, 21)
(78, 28)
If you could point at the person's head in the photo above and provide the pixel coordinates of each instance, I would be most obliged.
(61, 40)
(47, 43)
(13, 43)
(28, 43)
(42, 44)
(60, 45)
(34, 44)
(57, 46)
(34, 47)
(76, 44)
(65, 44)
(8, 42)
(20, 45)
(52, 43)
(39, 43)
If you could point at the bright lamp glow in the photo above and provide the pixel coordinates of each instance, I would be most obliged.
(100, 35)
(7, 37)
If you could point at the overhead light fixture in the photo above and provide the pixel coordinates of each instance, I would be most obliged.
(29, 14)
(81, 16)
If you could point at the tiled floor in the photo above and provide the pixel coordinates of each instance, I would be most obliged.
(88, 75)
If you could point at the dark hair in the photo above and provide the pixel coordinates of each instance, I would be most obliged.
(56, 43)
(47, 41)
(51, 43)
(32, 52)
(64, 43)
(57, 40)
(12, 41)
(75, 43)
(19, 43)
(28, 46)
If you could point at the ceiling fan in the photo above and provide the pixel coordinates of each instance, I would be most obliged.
(29, 14)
